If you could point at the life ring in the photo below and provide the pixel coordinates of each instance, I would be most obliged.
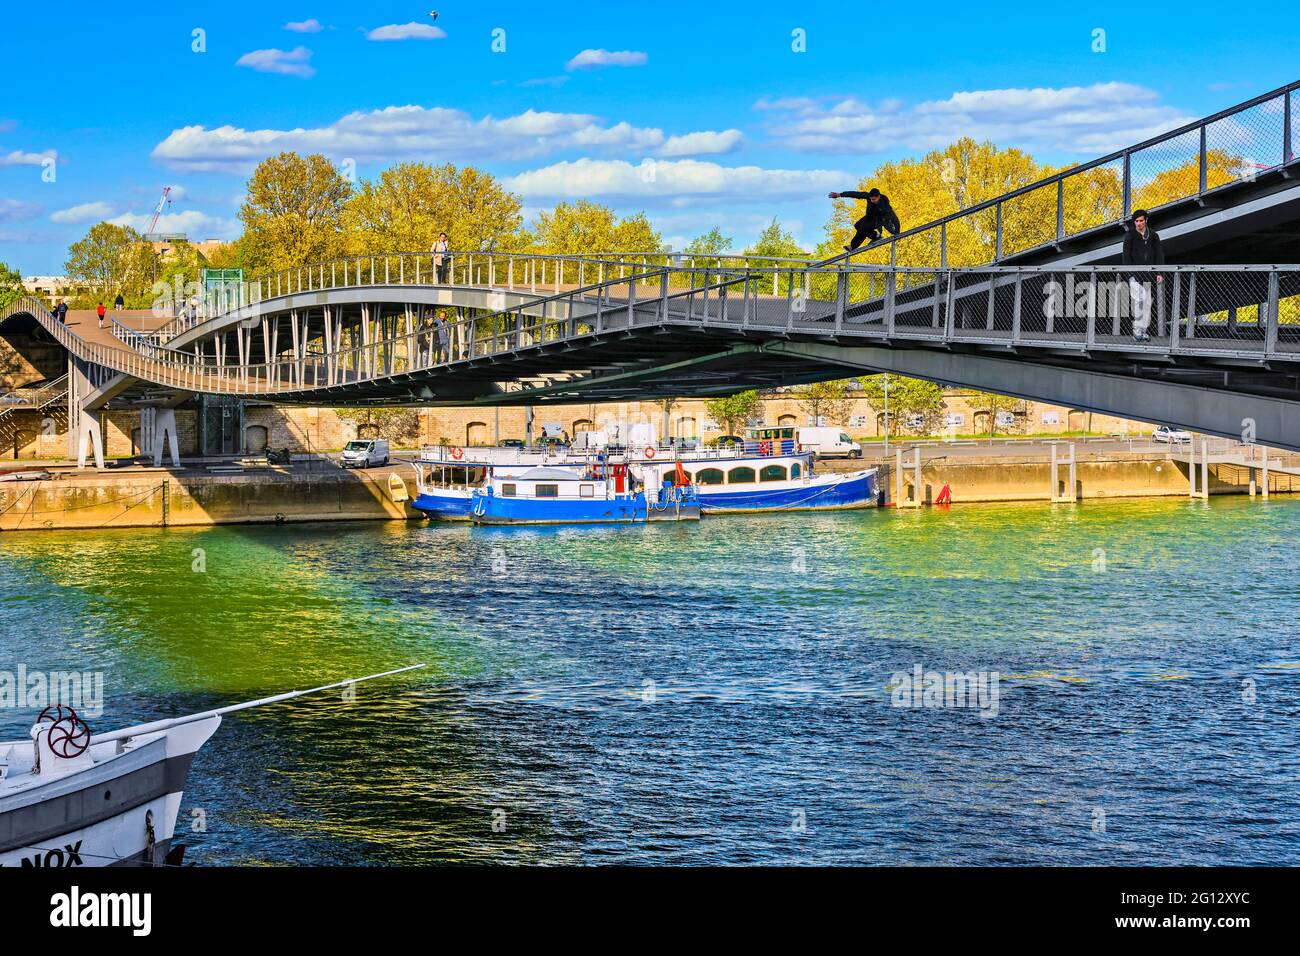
(649, 453)
(765, 448)
(458, 453)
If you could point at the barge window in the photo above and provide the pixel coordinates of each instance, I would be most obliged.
(708, 476)
(740, 476)
(772, 473)
(507, 491)
(796, 470)
(586, 491)
(546, 491)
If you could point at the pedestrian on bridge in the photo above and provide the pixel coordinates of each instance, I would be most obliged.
(1142, 248)
(119, 303)
(62, 311)
(442, 258)
(879, 217)
(99, 311)
(444, 338)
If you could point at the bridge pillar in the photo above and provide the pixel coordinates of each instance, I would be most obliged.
(87, 429)
(164, 427)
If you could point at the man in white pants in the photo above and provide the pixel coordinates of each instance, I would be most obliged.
(1142, 248)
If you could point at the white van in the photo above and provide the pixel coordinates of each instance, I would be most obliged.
(365, 453)
(827, 442)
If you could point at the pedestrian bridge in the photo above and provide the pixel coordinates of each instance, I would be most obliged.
(1002, 297)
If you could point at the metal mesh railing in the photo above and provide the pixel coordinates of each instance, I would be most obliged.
(1194, 311)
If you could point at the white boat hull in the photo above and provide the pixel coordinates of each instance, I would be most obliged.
(119, 809)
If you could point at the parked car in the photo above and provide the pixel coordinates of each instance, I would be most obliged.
(511, 443)
(365, 453)
(1174, 436)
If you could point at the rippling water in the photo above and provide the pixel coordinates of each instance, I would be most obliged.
(710, 694)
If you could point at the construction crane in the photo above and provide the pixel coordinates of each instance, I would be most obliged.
(164, 200)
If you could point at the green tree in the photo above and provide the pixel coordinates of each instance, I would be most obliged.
(732, 409)
(585, 227)
(110, 260)
(712, 243)
(11, 284)
(293, 212)
(908, 398)
(411, 203)
(775, 243)
(993, 403)
(829, 400)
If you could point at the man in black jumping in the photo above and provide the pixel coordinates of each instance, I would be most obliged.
(880, 216)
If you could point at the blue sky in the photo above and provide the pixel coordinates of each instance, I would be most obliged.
(700, 115)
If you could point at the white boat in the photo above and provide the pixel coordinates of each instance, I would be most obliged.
(73, 798)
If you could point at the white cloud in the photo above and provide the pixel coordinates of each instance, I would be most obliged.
(193, 223)
(704, 143)
(406, 132)
(675, 183)
(293, 62)
(407, 31)
(15, 210)
(304, 26)
(594, 59)
(1092, 119)
(20, 158)
(86, 212)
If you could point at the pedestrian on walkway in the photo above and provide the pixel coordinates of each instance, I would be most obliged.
(62, 310)
(444, 338)
(880, 216)
(442, 258)
(119, 303)
(1142, 248)
(99, 311)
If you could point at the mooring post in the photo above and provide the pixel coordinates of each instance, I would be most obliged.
(1205, 469)
(916, 481)
(1265, 450)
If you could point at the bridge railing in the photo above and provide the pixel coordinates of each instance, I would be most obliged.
(1241, 143)
(1232, 311)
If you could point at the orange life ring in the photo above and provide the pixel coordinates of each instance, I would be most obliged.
(458, 453)
(649, 453)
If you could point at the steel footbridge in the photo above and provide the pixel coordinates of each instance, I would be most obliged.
(1022, 294)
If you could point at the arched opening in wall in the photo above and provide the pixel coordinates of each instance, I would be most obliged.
(982, 422)
(583, 425)
(476, 433)
(367, 431)
(786, 420)
(137, 441)
(686, 427)
(1080, 421)
(255, 438)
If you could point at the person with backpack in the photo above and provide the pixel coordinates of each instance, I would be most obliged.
(880, 216)
(442, 258)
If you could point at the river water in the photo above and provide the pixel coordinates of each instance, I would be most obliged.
(723, 693)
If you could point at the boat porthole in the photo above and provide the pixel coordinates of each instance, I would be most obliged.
(107, 794)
